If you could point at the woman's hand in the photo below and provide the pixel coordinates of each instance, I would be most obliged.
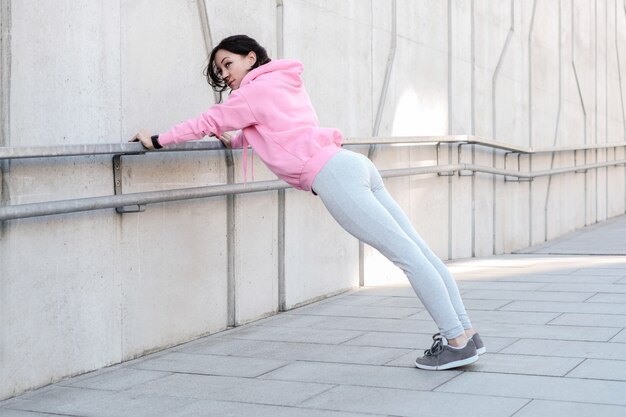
(226, 139)
(144, 137)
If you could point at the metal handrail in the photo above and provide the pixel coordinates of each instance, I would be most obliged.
(113, 201)
(21, 152)
(106, 202)
(476, 140)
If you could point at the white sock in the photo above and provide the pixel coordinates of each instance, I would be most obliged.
(458, 348)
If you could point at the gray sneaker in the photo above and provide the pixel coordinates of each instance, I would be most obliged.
(478, 342)
(441, 356)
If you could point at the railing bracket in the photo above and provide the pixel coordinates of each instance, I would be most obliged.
(117, 187)
(517, 179)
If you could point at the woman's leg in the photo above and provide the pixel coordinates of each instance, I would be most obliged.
(345, 187)
(383, 196)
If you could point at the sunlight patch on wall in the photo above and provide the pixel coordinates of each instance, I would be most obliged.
(419, 115)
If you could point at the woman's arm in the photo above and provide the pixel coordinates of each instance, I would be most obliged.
(234, 114)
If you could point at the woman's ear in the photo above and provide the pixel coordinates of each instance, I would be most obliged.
(251, 57)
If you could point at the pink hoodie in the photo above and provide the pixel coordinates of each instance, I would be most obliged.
(276, 117)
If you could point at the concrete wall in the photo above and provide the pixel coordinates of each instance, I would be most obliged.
(79, 292)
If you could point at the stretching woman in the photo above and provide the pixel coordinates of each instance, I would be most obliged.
(271, 108)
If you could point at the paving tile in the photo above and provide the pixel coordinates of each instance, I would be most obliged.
(357, 300)
(398, 302)
(225, 388)
(98, 403)
(295, 320)
(600, 369)
(358, 311)
(410, 403)
(620, 338)
(559, 307)
(309, 352)
(211, 365)
(618, 272)
(538, 387)
(561, 270)
(372, 324)
(116, 380)
(608, 298)
(576, 319)
(570, 349)
(91, 374)
(5, 412)
(309, 335)
(527, 295)
(398, 291)
(587, 288)
(500, 263)
(393, 340)
(414, 302)
(554, 265)
(542, 408)
(490, 305)
(208, 408)
(407, 360)
(361, 375)
(218, 346)
(470, 305)
(525, 365)
(494, 262)
(469, 274)
(500, 285)
(548, 332)
(613, 262)
(479, 317)
(564, 279)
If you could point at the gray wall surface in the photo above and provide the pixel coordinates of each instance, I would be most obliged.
(82, 291)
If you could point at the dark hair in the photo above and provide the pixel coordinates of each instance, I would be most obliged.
(237, 44)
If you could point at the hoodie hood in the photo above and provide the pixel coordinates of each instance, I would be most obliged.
(287, 70)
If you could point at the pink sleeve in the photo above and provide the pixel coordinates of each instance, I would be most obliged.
(234, 114)
(237, 141)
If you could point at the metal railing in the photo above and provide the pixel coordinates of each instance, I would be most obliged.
(21, 152)
(11, 212)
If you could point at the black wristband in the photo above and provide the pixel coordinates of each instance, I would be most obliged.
(155, 142)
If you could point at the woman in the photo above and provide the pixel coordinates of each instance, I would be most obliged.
(270, 106)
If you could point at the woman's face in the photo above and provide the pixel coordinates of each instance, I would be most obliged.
(233, 67)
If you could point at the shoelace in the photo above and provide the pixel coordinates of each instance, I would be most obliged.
(437, 346)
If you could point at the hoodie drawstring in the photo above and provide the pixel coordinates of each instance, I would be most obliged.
(244, 162)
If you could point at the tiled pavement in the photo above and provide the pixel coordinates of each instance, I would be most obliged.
(553, 319)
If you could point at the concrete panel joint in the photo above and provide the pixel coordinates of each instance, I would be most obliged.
(5, 69)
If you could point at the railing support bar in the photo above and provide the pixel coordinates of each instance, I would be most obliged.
(117, 187)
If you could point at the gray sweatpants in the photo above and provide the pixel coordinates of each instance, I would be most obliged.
(354, 193)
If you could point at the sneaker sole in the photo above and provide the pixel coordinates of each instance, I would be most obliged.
(448, 365)
(481, 350)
